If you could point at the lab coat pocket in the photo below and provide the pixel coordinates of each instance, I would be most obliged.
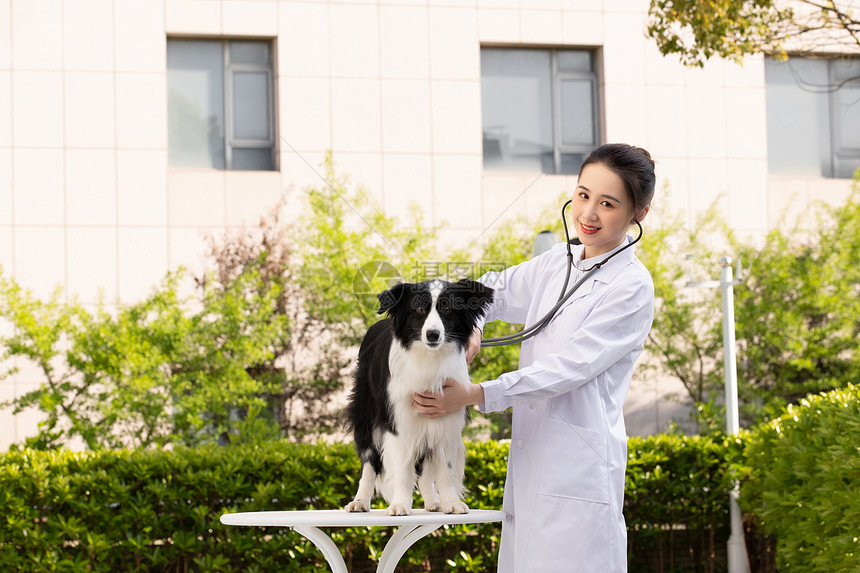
(575, 463)
(572, 536)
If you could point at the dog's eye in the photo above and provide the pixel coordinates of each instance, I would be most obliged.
(420, 310)
(446, 310)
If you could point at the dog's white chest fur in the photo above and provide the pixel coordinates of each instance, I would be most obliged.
(416, 370)
(419, 370)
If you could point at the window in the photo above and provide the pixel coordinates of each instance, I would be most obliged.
(813, 116)
(539, 109)
(219, 105)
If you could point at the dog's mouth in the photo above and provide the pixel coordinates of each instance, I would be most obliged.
(433, 345)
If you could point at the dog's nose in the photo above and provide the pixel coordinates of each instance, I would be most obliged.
(432, 336)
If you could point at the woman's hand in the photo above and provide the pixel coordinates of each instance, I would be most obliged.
(453, 397)
(474, 345)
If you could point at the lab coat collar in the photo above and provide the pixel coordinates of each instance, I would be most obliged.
(608, 271)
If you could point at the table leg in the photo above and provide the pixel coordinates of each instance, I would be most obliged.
(402, 540)
(325, 544)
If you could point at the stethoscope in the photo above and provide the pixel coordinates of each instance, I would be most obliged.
(564, 295)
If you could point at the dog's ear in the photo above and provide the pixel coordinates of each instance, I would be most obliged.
(390, 298)
(478, 296)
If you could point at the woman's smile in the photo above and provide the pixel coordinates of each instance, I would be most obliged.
(588, 229)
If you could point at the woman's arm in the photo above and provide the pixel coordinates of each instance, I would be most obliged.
(609, 333)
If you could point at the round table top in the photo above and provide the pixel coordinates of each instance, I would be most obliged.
(372, 518)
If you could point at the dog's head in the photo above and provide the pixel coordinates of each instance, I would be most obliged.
(435, 312)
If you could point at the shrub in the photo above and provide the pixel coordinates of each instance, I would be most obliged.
(797, 312)
(676, 503)
(168, 369)
(803, 482)
(159, 510)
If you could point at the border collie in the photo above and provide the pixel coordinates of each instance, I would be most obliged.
(422, 342)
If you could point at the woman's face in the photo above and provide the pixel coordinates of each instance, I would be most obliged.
(601, 209)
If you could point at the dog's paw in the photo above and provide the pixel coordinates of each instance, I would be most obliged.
(455, 507)
(433, 506)
(398, 509)
(357, 506)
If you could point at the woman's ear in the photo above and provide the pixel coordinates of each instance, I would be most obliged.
(641, 214)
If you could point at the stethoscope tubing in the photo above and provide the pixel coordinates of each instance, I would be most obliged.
(565, 294)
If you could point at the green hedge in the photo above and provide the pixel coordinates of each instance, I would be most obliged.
(159, 510)
(155, 510)
(802, 482)
(676, 503)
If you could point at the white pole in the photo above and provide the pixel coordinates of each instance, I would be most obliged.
(737, 552)
(730, 359)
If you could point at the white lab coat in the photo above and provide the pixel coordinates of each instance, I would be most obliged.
(564, 490)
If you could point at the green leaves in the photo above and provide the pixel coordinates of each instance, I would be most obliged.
(686, 335)
(341, 230)
(797, 315)
(673, 475)
(164, 370)
(696, 30)
(257, 349)
(156, 510)
(802, 481)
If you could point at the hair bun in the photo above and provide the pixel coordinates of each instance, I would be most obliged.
(646, 154)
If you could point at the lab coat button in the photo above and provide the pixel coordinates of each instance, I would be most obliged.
(531, 405)
(520, 444)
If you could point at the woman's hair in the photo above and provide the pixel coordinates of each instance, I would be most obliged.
(635, 168)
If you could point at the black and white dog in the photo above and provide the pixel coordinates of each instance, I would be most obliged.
(421, 343)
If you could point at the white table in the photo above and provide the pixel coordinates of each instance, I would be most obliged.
(411, 528)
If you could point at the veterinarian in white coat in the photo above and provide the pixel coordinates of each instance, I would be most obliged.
(564, 490)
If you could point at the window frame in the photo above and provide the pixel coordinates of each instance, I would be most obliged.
(838, 153)
(832, 160)
(230, 139)
(229, 70)
(559, 147)
(556, 80)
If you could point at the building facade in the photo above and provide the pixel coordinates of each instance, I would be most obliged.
(131, 129)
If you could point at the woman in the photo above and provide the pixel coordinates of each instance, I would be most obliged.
(564, 490)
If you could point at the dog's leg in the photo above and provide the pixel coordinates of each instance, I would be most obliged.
(399, 461)
(449, 476)
(365, 489)
(426, 485)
